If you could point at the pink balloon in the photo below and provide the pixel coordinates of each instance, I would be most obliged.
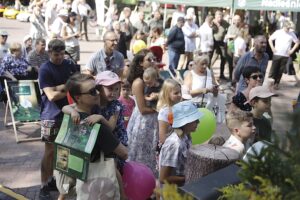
(138, 181)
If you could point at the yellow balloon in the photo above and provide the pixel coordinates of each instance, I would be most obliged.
(138, 45)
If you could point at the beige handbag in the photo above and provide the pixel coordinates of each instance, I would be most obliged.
(101, 182)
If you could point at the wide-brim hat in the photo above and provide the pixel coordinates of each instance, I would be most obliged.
(185, 112)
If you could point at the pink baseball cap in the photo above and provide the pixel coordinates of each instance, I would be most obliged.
(107, 78)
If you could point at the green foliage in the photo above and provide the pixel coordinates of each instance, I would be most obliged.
(245, 192)
(170, 192)
(297, 60)
(274, 173)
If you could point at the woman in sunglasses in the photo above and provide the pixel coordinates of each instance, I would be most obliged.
(253, 77)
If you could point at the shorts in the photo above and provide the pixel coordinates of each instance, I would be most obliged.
(49, 130)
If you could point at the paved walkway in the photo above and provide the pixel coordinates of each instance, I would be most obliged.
(20, 162)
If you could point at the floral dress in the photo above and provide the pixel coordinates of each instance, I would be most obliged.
(143, 138)
(120, 130)
(16, 66)
(108, 111)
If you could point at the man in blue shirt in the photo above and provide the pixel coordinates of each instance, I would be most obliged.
(53, 75)
(107, 58)
(258, 57)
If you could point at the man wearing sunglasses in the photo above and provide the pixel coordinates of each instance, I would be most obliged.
(53, 75)
(256, 58)
(107, 58)
(4, 46)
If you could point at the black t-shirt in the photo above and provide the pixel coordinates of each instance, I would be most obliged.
(106, 141)
(263, 129)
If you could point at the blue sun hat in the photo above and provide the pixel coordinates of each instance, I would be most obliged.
(185, 112)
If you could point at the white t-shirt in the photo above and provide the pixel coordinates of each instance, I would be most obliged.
(239, 46)
(57, 25)
(163, 114)
(206, 38)
(283, 42)
(83, 9)
(235, 144)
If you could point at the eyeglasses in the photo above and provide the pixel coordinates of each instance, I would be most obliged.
(92, 92)
(4, 36)
(254, 77)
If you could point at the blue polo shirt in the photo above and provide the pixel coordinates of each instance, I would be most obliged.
(248, 59)
(51, 75)
(100, 62)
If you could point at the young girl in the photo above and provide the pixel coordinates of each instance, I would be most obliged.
(127, 102)
(170, 95)
(172, 157)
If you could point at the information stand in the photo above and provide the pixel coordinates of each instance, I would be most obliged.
(23, 102)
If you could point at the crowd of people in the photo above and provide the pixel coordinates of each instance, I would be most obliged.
(146, 117)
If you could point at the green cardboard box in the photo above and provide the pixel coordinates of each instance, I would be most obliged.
(73, 147)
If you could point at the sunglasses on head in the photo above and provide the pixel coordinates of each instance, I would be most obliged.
(254, 77)
(92, 92)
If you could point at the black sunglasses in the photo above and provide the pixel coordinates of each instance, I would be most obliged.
(92, 92)
(254, 77)
(4, 35)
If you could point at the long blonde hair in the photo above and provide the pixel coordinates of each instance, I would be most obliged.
(164, 95)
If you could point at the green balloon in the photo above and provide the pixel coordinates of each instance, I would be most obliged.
(206, 127)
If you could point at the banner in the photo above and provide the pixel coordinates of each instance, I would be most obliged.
(276, 5)
(25, 98)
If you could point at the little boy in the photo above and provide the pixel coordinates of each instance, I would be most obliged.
(260, 100)
(153, 85)
(240, 124)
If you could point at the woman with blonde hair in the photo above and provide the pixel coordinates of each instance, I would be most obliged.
(200, 81)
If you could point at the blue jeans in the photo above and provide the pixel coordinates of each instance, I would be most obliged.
(173, 59)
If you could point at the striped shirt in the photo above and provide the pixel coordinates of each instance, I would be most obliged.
(36, 59)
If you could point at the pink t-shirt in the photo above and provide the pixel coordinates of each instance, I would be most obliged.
(129, 105)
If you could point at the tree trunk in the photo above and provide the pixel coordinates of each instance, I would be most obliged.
(206, 158)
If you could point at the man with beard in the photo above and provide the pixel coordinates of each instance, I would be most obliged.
(107, 58)
(258, 57)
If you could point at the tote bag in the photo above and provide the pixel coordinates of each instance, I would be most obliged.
(101, 183)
